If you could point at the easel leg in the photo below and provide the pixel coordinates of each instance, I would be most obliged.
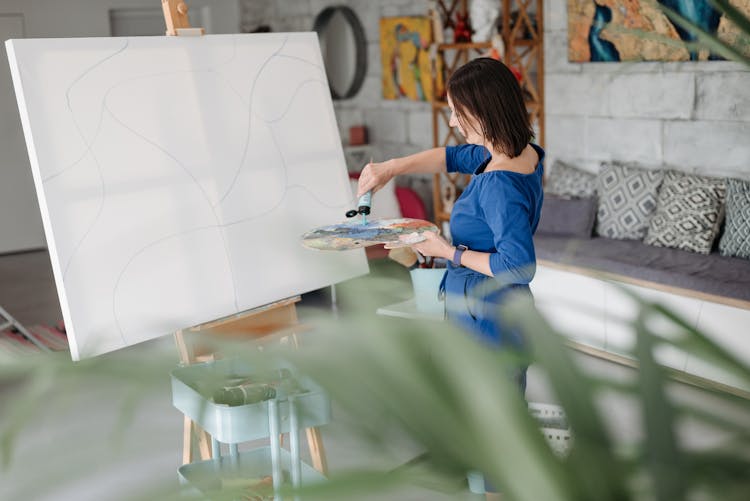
(314, 438)
(190, 429)
(204, 443)
(187, 441)
(183, 350)
(317, 453)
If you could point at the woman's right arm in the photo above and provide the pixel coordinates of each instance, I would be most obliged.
(375, 175)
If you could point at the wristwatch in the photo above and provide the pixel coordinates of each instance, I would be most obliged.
(457, 255)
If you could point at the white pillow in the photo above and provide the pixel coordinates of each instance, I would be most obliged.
(384, 202)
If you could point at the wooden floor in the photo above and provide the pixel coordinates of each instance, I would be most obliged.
(27, 288)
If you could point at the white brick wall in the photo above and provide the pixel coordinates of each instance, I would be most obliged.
(715, 99)
(387, 126)
(634, 140)
(420, 127)
(566, 138)
(708, 146)
(555, 15)
(576, 94)
(645, 95)
(692, 116)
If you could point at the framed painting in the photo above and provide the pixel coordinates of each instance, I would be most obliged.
(638, 30)
(405, 57)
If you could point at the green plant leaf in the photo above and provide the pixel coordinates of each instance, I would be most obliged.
(656, 37)
(740, 431)
(576, 393)
(724, 473)
(706, 39)
(30, 398)
(733, 14)
(694, 341)
(448, 392)
(698, 344)
(664, 458)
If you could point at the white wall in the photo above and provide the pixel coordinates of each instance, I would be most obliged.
(692, 116)
(20, 222)
(90, 18)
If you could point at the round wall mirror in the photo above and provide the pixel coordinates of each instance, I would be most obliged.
(344, 48)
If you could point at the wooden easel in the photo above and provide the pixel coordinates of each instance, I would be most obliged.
(176, 17)
(275, 322)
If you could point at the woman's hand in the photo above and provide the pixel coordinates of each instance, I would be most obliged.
(434, 246)
(374, 176)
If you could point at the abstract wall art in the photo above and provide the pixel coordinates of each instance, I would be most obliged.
(638, 30)
(405, 58)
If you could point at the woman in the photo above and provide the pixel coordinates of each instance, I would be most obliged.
(493, 220)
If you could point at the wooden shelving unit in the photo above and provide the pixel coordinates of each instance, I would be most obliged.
(522, 31)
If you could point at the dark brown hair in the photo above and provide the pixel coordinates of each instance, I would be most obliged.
(488, 91)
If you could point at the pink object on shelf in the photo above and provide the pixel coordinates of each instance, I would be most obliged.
(411, 204)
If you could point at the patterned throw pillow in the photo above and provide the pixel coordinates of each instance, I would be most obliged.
(567, 181)
(688, 213)
(627, 200)
(736, 239)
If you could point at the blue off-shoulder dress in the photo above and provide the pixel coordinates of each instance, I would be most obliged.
(498, 213)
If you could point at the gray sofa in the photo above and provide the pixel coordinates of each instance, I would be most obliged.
(660, 226)
(710, 274)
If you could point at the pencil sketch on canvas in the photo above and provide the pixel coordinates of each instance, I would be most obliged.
(175, 176)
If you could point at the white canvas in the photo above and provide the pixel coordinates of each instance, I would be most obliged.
(176, 175)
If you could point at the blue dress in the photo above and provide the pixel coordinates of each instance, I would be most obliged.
(498, 213)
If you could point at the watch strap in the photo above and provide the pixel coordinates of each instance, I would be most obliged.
(457, 255)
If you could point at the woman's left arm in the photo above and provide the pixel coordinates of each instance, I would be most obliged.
(507, 214)
(436, 246)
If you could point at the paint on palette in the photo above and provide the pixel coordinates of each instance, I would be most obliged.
(354, 235)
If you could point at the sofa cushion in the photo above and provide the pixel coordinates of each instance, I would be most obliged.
(712, 274)
(627, 200)
(689, 212)
(736, 238)
(567, 181)
(571, 217)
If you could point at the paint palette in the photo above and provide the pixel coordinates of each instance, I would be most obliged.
(354, 235)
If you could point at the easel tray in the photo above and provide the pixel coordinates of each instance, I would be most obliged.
(242, 423)
(213, 479)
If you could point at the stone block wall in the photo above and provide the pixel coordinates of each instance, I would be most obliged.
(691, 116)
